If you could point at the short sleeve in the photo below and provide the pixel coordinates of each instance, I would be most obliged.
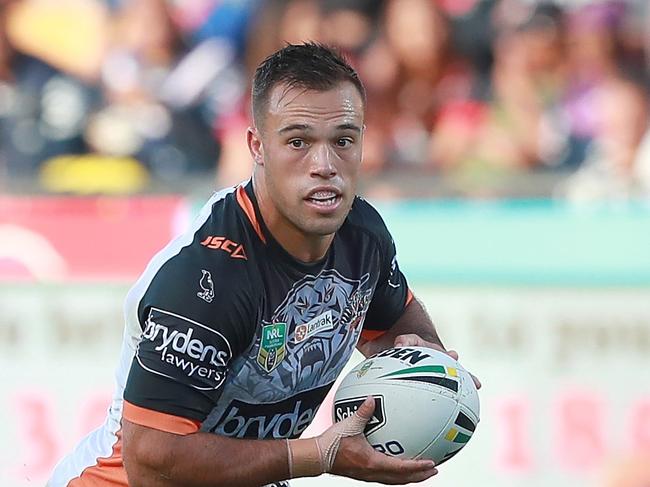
(187, 343)
(392, 293)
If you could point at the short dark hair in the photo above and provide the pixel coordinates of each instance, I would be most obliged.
(310, 65)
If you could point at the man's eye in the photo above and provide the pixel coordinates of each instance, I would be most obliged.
(344, 142)
(297, 143)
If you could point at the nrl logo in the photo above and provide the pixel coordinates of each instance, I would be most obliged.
(364, 369)
(272, 348)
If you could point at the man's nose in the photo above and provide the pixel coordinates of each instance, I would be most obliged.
(323, 161)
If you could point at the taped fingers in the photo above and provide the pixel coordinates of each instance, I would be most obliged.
(366, 409)
(313, 456)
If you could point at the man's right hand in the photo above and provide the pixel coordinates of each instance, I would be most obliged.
(155, 458)
(355, 457)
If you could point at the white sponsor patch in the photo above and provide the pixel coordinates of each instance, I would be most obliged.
(321, 322)
(182, 349)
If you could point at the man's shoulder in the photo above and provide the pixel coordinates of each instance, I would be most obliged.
(203, 284)
(211, 261)
(365, 218)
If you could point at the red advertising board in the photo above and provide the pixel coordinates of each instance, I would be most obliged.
(89, 238)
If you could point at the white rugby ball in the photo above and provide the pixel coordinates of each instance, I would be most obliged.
(426, 404)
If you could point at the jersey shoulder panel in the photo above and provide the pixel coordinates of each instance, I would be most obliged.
(363, 217)
(211, 280)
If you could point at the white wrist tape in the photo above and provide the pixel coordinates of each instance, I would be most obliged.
(314, 456)
(330, 440)
(305, 458)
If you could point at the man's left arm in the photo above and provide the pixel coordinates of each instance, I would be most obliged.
(414, 328)
(395, 318)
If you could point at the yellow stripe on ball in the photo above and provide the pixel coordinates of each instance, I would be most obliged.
(451, 434)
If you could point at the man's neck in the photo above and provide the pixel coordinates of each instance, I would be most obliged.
(304, 248)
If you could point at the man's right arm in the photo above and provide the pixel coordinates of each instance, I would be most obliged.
(155, 458)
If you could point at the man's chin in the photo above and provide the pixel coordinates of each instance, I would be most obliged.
(323, 226)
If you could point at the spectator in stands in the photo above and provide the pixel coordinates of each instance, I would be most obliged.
(614, 168)
(46, 95)
(429, 75)
(153, 109)
(518, 126)
(607, 106)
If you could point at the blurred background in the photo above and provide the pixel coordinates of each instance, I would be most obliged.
(507, 146)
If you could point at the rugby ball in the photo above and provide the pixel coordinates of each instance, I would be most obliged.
(426, 404)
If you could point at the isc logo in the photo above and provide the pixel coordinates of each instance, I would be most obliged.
(235, 250)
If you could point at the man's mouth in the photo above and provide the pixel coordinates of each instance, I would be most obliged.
(324, 199)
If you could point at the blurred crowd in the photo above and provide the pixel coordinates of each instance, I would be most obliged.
(114, 96)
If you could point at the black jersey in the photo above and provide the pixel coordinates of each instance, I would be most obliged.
(242, 337)
(228, 333)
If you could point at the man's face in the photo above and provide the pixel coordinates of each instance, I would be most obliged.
(310, 154)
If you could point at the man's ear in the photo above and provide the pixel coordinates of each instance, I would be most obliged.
(255, 145)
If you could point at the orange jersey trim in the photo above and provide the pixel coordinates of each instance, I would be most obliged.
(159, 421)
(409, 298)
(107, 472)
(371, 335)
(247, 205)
